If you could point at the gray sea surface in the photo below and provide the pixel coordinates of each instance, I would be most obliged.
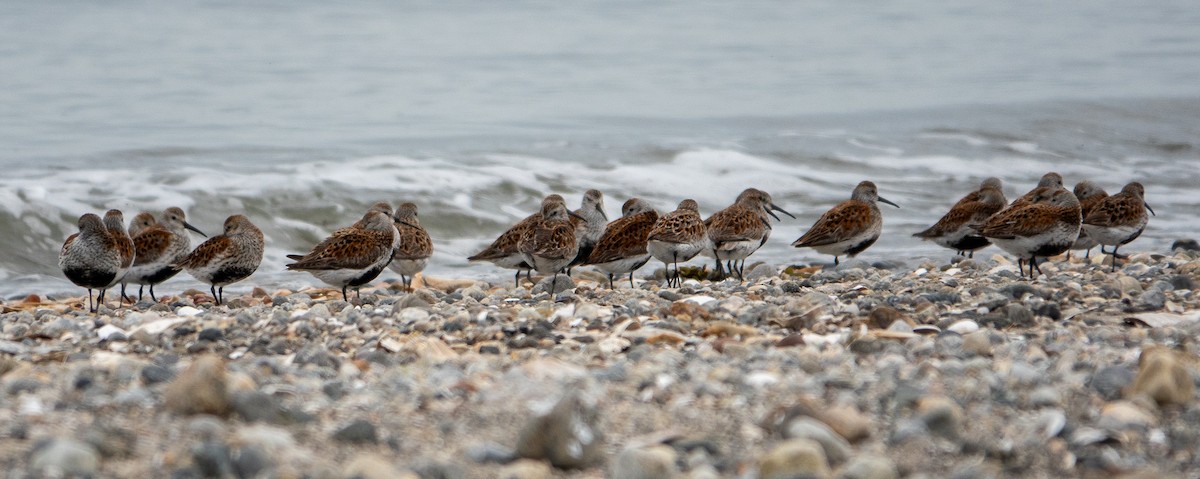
(300, 114)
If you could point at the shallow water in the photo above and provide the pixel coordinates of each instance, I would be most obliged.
(302, 114)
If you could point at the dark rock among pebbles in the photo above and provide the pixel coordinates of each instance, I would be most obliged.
(359, 431)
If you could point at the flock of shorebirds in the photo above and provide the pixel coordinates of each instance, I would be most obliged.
(1047, 221)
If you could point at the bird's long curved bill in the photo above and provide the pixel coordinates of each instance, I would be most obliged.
(193, 228)
(580, 218)
(885, 200)
(1149, 208)
(410, 225)
(775, 207)
(602, 213)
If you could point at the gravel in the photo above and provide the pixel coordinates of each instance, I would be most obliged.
(864, 371)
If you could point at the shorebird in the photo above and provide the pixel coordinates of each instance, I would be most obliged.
(157, 248)
(1049, 180)
(1118, 219)
(503, 251)
(226, 258)
(114, 222)
(590, 228)
(622, 248)
(140, 222)
(549, 245)
(90, 258)
(351, 257)
(739, 230)
(1046, 227)
(382, 207)
(953, 231)
(414, 246)
(678, 236)
(848, 228)
(1089, 195)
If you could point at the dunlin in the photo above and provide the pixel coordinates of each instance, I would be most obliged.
(549, 245)
(678, 236)
(1118, 219)
(140, 222)
(114, 222)
(739, 230)
(1089, 195)
(1049, 180)
(382, 207)
(850, 227)
(953, 230)
(504, 253)
(622, 248)
(158, 247)
(351, 257)
(226, 258)
(1045, 227)
(590, 228)
(414, 247)
(90, 258)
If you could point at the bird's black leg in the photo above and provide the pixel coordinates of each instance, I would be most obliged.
(631, 279)
(1114, 258)
(517, 279)
(213, 289)
(675, 260)
(90, 307)
(152, 298)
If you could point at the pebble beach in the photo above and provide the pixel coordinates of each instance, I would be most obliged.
(866, 370)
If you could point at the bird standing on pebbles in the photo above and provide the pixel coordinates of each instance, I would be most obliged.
(953, 230)
(226, 258)
(1089, 195)
(414, 247)
(114, 222)
(503, 252)
(90, 258)
(1119, 219)
(622, 248)
(678, 236)
(1046, 227)
(739, 230)
(590, 228)
(850, 227)
(157, 249)
(351, 257)
(549, 245)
